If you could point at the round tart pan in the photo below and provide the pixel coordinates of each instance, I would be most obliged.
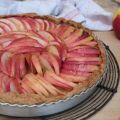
(18, 110)
(45, 109)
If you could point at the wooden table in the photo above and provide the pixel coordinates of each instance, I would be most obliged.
(112, 110)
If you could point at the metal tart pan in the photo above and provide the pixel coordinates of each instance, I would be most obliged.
(44, 109)
(17, 110)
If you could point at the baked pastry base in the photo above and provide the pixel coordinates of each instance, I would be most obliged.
(31, 99)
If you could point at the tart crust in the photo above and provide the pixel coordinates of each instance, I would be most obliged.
(31, 99)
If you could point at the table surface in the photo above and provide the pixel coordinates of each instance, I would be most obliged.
(112, 110)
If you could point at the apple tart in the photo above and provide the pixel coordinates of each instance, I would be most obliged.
(45, 59)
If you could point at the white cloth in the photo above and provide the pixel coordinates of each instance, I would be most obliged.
(94, 16)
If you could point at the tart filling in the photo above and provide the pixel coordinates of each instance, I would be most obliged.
(46, 59)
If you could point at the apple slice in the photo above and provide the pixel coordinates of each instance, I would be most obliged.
(1, 47)
(73, 78)
(83, 36)
(22, 33)
(17, 23)
(37, 26)
(40, 35)
(10, 37)
(31, 22)
(67, 33)
(12, 87)
(53, 50)
(51, 89)
(81, 42)
(46, 35)
(40, 41)
(75, 54)
(32, 88)
(29, 65)
(74, 36)
(58, 79)
(41, 23)
(84, 51)
(15, 85)
(24, 42)
(53, 61)
(26, 25)
(4, 83)
(56, 30)
(6, 69)
(63, 51)
(56, 83)
(84, 62)
(91, 44)
(5, 27)
(2, 30)
(4, 58)
(61, 29)
(36, 63)
(25, 49)
(35, 85)
(9, 23)
(7, 84)
(25, 86)
(47, 25)
(1, 76)
(52, 26)
(87, 50)
(78, 73)
(80, 59)
(12, 66)
(31, 85)
(54, 43)
(80, 67)
(45, 64)
(17, 67)
(22, 49)
(56, 38)
(22, 66)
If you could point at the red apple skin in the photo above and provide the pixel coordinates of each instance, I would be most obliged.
(84, 62)
(54, 81)
(116, 26)
(78, 73)
(16, 82)
(5, 26)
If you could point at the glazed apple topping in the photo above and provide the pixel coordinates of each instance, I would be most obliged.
(40, 57)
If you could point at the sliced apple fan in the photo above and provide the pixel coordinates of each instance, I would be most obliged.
(38, 56)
